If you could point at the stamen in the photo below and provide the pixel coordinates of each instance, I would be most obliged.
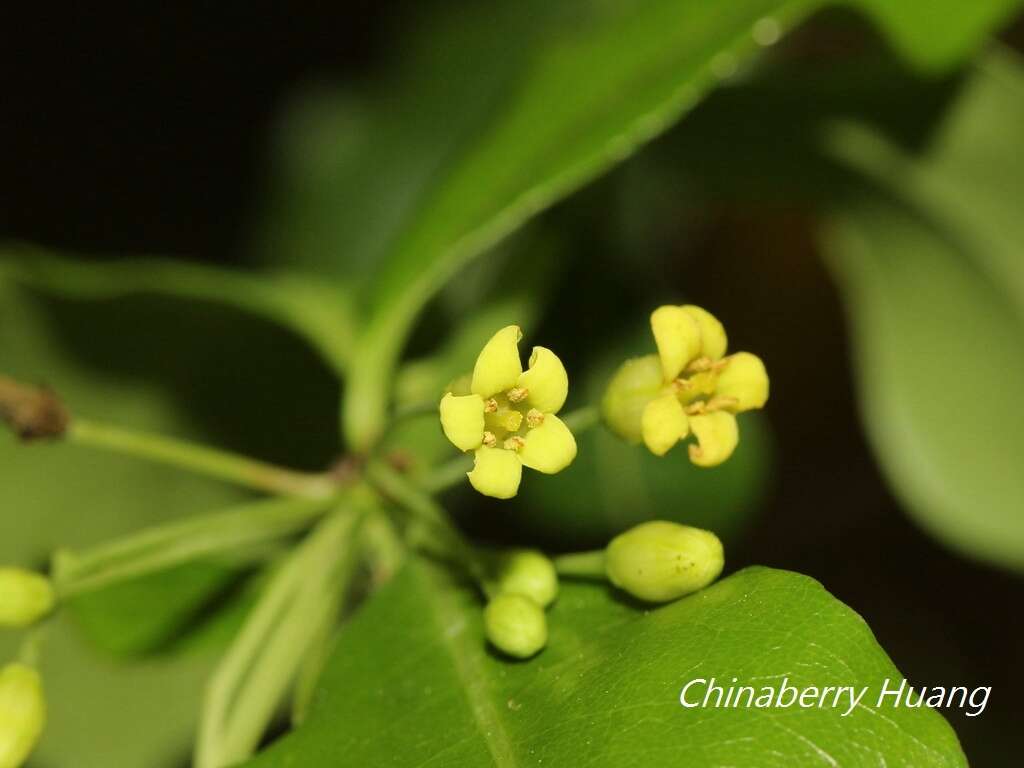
(695, 409)
(534, 418)
(681, 385)
(490, 405)
(517, 394)
(700, 365)
(489, 439)
(514, 443)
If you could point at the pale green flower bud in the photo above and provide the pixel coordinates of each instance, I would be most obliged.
(637, 382)
(660, 561)
(22, 713)
(25, 597)
(516, 625)
(529, 573)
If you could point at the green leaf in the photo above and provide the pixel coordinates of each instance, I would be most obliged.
(319, 312)
(168, 366)
(934, 283)
(412, 683)
(591, 83)
(582, 88)
(937, 34)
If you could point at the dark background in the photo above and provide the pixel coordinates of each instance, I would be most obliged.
(145, 131)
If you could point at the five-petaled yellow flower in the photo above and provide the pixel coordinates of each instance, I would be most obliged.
(690, 386)
(508, 418)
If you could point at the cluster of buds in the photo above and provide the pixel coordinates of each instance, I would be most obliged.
(525, 584)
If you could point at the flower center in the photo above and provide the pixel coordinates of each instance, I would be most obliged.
(696, 387)
(508, 418)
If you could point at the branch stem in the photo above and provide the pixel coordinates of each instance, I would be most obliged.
(212, 462)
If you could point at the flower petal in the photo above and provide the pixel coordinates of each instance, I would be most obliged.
(677, 335)
(713, 341)
(546, 381)
(663, 424)
(498, 366)
(549, 448)
(496, 472)
(462, 419)
(745, 379)
(717, 435)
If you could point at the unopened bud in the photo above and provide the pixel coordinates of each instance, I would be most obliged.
(661, 561)
(22, 713)
(529, 573)
(25, 597)
(516, 625)
(636, 383)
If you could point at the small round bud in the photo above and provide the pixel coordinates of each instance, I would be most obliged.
(516, 625)
(636, 382)
(22, 713)
(25, 597)
(529, 573)
(660, 561)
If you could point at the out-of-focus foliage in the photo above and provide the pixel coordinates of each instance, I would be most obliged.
(122, 361)
(930, 257)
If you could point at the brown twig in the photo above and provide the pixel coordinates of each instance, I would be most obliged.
(32, 412)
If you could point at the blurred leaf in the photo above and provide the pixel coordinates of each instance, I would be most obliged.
(938, 34)
(320, 312)
(592, 82)
(411, 682)
(934, 284)
(159, 365)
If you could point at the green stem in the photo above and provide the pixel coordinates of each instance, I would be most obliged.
(582, 419)
(434, 518)
(581, 565)
(233, 530)
(297, 606)
(231, 467)
(447, 475)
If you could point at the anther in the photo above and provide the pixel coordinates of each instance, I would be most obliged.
(700, 365)
(517, 394)
(514, 443)
(697, 408)
(718, 403)
(681, 385)
(534, 418)
(489, 439)
(491, 405)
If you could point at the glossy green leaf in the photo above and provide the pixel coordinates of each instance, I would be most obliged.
(934, 282)
(411, 683)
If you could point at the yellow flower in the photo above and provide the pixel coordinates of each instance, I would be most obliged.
(508, 417)
(690, 387)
